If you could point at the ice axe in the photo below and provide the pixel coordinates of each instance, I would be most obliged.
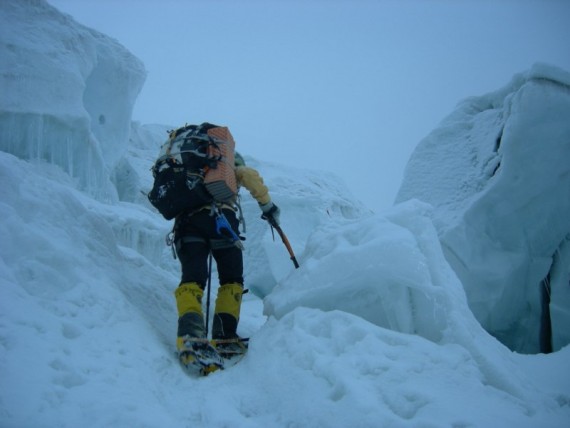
(287, 245)
(275, 226)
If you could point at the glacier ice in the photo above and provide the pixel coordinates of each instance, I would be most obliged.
(67, 93)
(497, 171)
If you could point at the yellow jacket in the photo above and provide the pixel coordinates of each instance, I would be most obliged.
(252, 181)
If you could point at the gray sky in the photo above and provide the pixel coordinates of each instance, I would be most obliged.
(343, 86)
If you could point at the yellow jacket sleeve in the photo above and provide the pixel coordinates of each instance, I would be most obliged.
(252, 181)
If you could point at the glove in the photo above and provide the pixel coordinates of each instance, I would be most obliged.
(271, 213)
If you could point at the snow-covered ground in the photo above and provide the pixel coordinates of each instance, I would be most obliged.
(373, 330)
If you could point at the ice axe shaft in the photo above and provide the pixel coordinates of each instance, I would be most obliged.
(286, 242)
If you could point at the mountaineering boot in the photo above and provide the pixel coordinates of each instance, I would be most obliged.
(194, 350)
(226, 318)
(229, 348)
(198, 354)
(226, 312)
(189, 305)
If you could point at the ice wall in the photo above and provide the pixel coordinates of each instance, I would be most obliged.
(497, 171)
(67, 93)
(132, 176)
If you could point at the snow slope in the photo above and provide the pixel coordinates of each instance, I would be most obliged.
(373, 330)
(497, 171)
(88, 323)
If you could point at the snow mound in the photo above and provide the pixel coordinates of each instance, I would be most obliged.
(306, 199)
(391, 271)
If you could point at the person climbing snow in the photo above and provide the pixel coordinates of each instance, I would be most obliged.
(206, 227)
(196, 235)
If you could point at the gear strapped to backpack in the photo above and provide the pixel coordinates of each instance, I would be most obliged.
(195, 167)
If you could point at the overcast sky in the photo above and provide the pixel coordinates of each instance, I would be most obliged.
(343, 86)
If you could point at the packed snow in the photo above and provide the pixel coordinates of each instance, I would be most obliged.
(373, 330)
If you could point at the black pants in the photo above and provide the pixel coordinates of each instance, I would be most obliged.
(196, 236)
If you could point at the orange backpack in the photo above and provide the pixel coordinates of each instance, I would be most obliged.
(195, 167)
